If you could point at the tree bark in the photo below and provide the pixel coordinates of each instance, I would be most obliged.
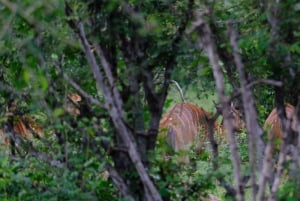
(114, 106)
(209, 46)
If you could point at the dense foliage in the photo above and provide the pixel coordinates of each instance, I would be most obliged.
(121, 58)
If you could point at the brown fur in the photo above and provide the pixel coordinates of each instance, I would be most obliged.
(71, 104)
(274, 124)
(24, 126)
(185, 124)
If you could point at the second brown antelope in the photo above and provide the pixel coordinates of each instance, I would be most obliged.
(19, 124)
(25, 126)
(273, 123)
(185, 124)
(71, 104)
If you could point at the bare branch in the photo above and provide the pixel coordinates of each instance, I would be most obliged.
(253, 83)
(287, 130)
(15, 8)
(46, 158)
(273, 19)
(119, 182)
(112, 172)
(104, 63)
(107, 69)
(285, 119)
(198, 22)
(256, 145)
(209, 46)
(266, 170)
(43, 157)
(265, 81)
(280, 166)
(79, 89)
(210, 130)
(116, 112)
(12, 90)
(34, 152)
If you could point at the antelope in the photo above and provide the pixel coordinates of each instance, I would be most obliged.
(71, 104)
(182, 124)
(186, 123)
(273, 122)
(22, 125)
(26, 126)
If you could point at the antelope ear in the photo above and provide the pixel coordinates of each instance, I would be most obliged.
(74, 97)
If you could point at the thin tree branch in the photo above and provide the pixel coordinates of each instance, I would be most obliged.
(280, 167)
(113, 173)
(211, 126)
(33, 152)
(116, 112)
(250, 85)
(256, 145)
(12, 90)
(286, 125)
(119, 182)
(107, 69)
(265, 81)
(27, 16)
(209, 46)
(273, 19)
(157, 99)
(78, 88)
(266, 170)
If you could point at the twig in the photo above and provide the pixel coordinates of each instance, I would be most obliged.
(266, 169)
(78, 88)
(12, 90)
(46, 158)
(33, 152)
(265, 81)
(280, 166)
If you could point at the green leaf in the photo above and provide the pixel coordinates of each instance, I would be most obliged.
(26, 76)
